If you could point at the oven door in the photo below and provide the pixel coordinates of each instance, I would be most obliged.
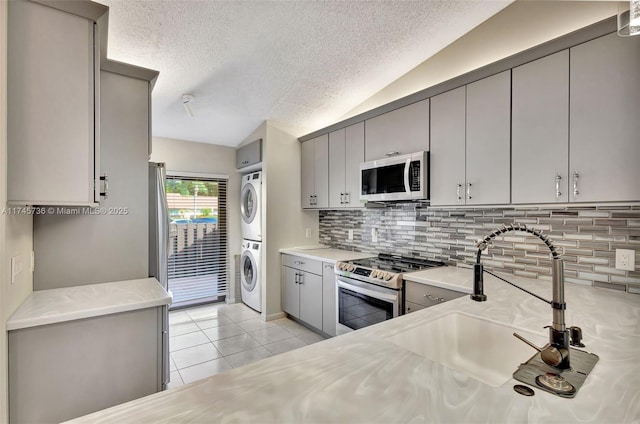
(360, 304)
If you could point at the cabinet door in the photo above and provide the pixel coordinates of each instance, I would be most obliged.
(604, 119)
(447, 160)
(307, 174)
(52, 92)
(337, 168)
(311, 299)
(328, 299)
(488, 156)
(540, 130)
(321, 170)
(401, 131)
(354, 155)
(290, 291)
(249, 154)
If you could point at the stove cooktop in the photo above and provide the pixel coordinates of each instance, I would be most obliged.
(384, 270)
(395, 263)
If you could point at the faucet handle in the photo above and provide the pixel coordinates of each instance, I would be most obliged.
(575, 333)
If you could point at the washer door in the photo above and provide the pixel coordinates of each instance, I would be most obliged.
(248, 203)
(248, 271)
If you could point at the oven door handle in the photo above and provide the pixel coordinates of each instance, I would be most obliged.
(393, 298)
(407, 187)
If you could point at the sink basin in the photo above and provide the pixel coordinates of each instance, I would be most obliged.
(484, 350)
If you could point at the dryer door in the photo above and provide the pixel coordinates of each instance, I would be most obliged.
(248, 271)
(248, 203)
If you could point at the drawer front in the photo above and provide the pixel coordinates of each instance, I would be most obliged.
(426, 295)
(412, 307)
(303, 264)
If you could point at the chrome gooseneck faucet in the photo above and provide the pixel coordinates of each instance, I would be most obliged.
(556, 353)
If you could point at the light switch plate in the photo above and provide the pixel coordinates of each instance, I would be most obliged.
(350, 234)
(625, 259)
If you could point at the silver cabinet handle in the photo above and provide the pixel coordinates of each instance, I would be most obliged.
(558, 192)
(301, 280)
(392, 153)
(105, 179)
(458, 194)
(328, 266)
(296, 279)
(575, 184)
(434, 298)
(298, 262)
(469, 191)
(347, 198)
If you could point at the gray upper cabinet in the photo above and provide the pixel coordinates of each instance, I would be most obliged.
(604, 120)
(470, 153)
(315, 173)
(53, 119)
(249, 154)
(448, 148)
(488, 153)
(540, 131)
(346, 152)
(401, 131)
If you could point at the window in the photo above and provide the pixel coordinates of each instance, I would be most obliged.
(197, 263)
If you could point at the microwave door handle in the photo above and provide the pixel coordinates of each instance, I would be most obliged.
(407, 165)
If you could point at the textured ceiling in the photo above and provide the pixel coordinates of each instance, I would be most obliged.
(302, 63)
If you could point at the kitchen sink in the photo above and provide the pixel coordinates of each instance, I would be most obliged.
(484, 350)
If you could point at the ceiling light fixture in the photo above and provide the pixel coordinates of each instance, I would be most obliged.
(187, 99)
(629, 18)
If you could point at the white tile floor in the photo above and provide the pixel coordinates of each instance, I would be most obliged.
(210, 339)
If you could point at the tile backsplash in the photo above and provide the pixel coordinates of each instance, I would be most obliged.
(586, 238)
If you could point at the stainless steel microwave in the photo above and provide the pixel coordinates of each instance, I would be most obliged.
(403, 177)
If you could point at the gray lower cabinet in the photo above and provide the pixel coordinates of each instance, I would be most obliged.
(420, 296)
(401, 131)
(328, 299)
(53, 146)
(61, 371)
(604, 120)
(315, 173)
(302, 289)
(540, 131)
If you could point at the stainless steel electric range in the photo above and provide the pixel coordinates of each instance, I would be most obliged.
(372, 290)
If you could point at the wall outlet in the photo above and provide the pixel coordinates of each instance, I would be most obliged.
(374, 235)
(625, 259)
(350, 234)
(307, 232)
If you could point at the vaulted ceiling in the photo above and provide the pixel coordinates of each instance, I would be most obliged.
(301, 63)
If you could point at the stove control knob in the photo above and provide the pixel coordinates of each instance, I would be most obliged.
(387, 276)
(351, 267)
(374, 273)
(381, 275)
(339, 265)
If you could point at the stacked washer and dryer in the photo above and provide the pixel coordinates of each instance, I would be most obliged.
(250, 270)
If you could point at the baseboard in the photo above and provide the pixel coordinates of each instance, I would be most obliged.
(275, 316)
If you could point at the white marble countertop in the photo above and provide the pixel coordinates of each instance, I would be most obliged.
(325, 254)
(362, 377)
(446, 277)
(70, 303)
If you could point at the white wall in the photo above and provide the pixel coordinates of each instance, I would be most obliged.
(188, 156)
(15, 232)
(519, 26)
(286, 222)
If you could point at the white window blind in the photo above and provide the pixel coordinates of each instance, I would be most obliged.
(197, 263)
